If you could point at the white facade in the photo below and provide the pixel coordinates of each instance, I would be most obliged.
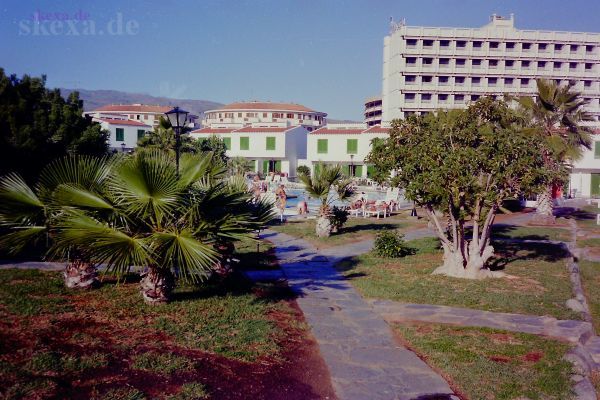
(272, 149)
(146, 114)
(264, 114)
(585, 176)
(425, 69)
(345, 144)
(124, 133)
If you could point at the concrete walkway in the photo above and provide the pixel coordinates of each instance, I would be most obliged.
(358, 346)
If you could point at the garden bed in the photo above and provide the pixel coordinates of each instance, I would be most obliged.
(231, 341)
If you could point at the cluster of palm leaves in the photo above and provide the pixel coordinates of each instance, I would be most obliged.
(133, 213)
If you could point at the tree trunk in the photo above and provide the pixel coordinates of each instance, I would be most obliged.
(80, 275)
(156, 285)
(324, 226)
(470, 265)
(545, 207)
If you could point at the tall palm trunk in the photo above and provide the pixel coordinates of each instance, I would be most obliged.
(157, 285)
(324, 227)
(79, 274)
(545, 206)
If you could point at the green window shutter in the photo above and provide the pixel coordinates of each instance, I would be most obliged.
(278, 166)
(595, 189)
(120, 134)
(597, 150)
(227, 143)
(352, 146)
(266, 166)
(141, 133)
(244, 143)
(370, 171)
(270, 143)
(358, 171)
(322, 146)
(317, 168)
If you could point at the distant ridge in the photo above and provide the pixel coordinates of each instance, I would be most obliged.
(93, 99)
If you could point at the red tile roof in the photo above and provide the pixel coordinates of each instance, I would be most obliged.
(113, 121)
(249, 129)
(377, 129)
(141, 108)
(347, 131)
(265, 105)
(213, 131)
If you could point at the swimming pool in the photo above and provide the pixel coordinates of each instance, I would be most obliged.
(314, 204)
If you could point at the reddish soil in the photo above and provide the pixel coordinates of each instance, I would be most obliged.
(297, 372)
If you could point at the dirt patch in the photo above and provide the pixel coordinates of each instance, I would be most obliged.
(500, 359)
(533, 356)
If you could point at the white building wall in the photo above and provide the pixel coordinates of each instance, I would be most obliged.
(130, 135)
(580, 180)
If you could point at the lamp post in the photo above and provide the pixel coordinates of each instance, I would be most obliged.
(177, 118)
(352, 165)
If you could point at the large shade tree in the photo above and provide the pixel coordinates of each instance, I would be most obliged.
(460, 165)
(557, 114)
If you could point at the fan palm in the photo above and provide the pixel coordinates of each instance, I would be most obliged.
(325, 178)
(167, 227)
(30, 213)
(558, 115)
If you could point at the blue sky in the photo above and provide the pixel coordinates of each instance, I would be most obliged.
(325, 54)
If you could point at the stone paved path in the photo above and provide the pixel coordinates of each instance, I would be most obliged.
(364, 360)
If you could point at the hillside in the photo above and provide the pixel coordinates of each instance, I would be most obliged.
(93, 99)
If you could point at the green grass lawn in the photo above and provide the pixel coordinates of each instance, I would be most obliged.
(50, 335)
(590, 279)
(594, 242)
(493, 365)
(531, 233)
(586, 219)
(356, 229)
(537, 282)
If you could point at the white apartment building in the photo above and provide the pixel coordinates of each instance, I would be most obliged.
(425, 68)
(264, 114)
(271, 149)
(585, 175)
(146, 114)
(373, 111)
(345, 144)
(124, 133)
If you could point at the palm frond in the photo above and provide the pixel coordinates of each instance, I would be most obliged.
(18, 203)
(17, 240)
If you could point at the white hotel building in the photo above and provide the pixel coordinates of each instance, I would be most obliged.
(430, 68)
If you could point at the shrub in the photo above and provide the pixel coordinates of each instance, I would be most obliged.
(338, 218)
(303, 170)
(390, 243)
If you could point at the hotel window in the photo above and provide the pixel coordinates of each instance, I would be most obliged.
(478, 45)
(145, 116)
(589, 66)
(572, 65)
(589, 48)
(587, 84)
(426, 97)
(426, 79)
(494, 45)
(509, 64)
(475, 97)
(351, 146)
(459, 97)
(322, 145)
(444, 61)
(410, 79)
(444, 43)
(492, 81)
(120, 132)
(442, 97)
(542, 47)
(508, 81)
(270, 143)
(476, 81)
(411, 42)
(277, 115)
(427, 61)
(443, 80)
(526, 46)
(264, 115)
(239, 115)
(427, 43)
(558, 47)
(138, 117)
(227, 143)
(409, 97)
(141, 133)
(510, 46)
(460, 44)
(476, 63)
(541, 64)
(525, 82)
(460, 62)
(557, 65)
(244, 143)
(289, 115)
(493, 64)
(459, 80)
(411, 60)
(574, 48)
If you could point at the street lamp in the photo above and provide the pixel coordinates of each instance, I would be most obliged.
(177, 118)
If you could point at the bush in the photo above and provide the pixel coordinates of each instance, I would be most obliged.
(390, 243)
(303, 170)
(338, 218)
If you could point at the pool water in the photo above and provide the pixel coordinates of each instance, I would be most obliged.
(314, 204)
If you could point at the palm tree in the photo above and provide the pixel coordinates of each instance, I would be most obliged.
(325, 178)
(168, 228)
(239, 165)
(163, 137)
(30, 213)
(558, 115)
